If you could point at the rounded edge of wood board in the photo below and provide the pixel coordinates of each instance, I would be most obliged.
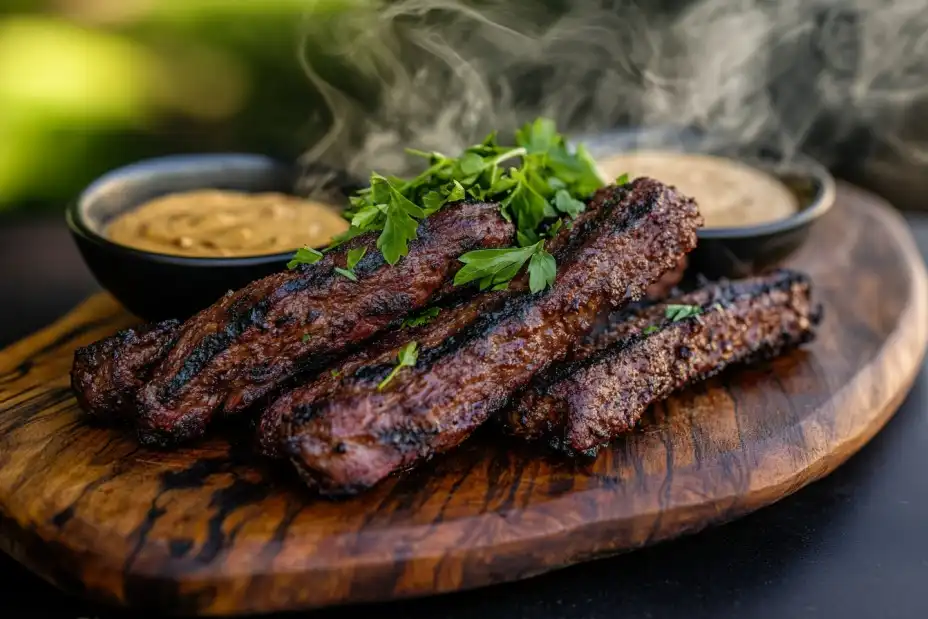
(516, 550)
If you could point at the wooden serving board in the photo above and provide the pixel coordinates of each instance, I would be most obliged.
(212, 529)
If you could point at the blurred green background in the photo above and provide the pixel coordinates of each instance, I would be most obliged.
(86, 85)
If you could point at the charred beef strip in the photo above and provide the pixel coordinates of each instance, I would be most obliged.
(242, 347)
(107, 374)
(361, 433)
(380, 353)
(645, 357)
(451, 319)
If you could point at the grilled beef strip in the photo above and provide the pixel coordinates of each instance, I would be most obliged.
(452, 318)
(361, 434)
(108, 373)
(239, 349)
(644, 357)
(380, 353)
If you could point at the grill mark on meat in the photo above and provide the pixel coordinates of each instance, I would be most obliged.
(214, 343)
(587, 402)
(106, 374)
(381, 354)
(434, 406)
(210, 366)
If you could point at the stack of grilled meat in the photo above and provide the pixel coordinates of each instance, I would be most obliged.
(311, 355)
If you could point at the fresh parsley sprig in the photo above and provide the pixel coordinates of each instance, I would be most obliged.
(352, 259)
(493, 268)
(406, 357)
(537, 181)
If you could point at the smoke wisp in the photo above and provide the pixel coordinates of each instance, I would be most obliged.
(773, 76)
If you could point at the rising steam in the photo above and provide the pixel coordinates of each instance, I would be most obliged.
(778, 76)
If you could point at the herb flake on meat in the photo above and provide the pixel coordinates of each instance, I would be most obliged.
(304, 255)
(422, 318)
(406, 357)
(352, 259)
(676, 313)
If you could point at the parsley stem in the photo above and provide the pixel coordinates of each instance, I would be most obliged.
(389, 377)
(515, 152)
(428, 173)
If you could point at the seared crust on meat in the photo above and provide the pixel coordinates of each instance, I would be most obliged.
(241, 348)
(643, 357)
(107, 374)
(361, 434)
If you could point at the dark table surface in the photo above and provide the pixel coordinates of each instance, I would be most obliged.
(854, 545)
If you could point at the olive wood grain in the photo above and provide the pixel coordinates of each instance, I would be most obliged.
(212, 529)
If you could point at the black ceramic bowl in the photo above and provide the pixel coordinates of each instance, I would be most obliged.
(742, 251)
(156, 286)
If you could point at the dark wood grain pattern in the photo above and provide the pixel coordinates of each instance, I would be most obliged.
(212, 529)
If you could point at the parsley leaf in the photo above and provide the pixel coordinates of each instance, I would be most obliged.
(406, 357)
(335, 373)
(354, 257)
(401, 214)
(366, 217)
(567, 204)
(305, 338)
(537, 137)
(651, 329)
(304, 255)
(541, 271)
(525, 204)
(554, 228)
(422, 318)
(527, 237)
(622, 180)
(346, 273)
(493, 266)
(676, 313)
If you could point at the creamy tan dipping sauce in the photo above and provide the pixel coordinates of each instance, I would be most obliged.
(730, 194)
(214, 223)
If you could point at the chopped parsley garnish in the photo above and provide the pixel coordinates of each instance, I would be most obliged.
(346, 273)
(651, 329)
(304, 255)
(538, 182)
(353, 258)
(622, 180)
(493, 268)
(422, 318)
(675, 313)
(335, 373)
(305, 338)
(406, 357)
